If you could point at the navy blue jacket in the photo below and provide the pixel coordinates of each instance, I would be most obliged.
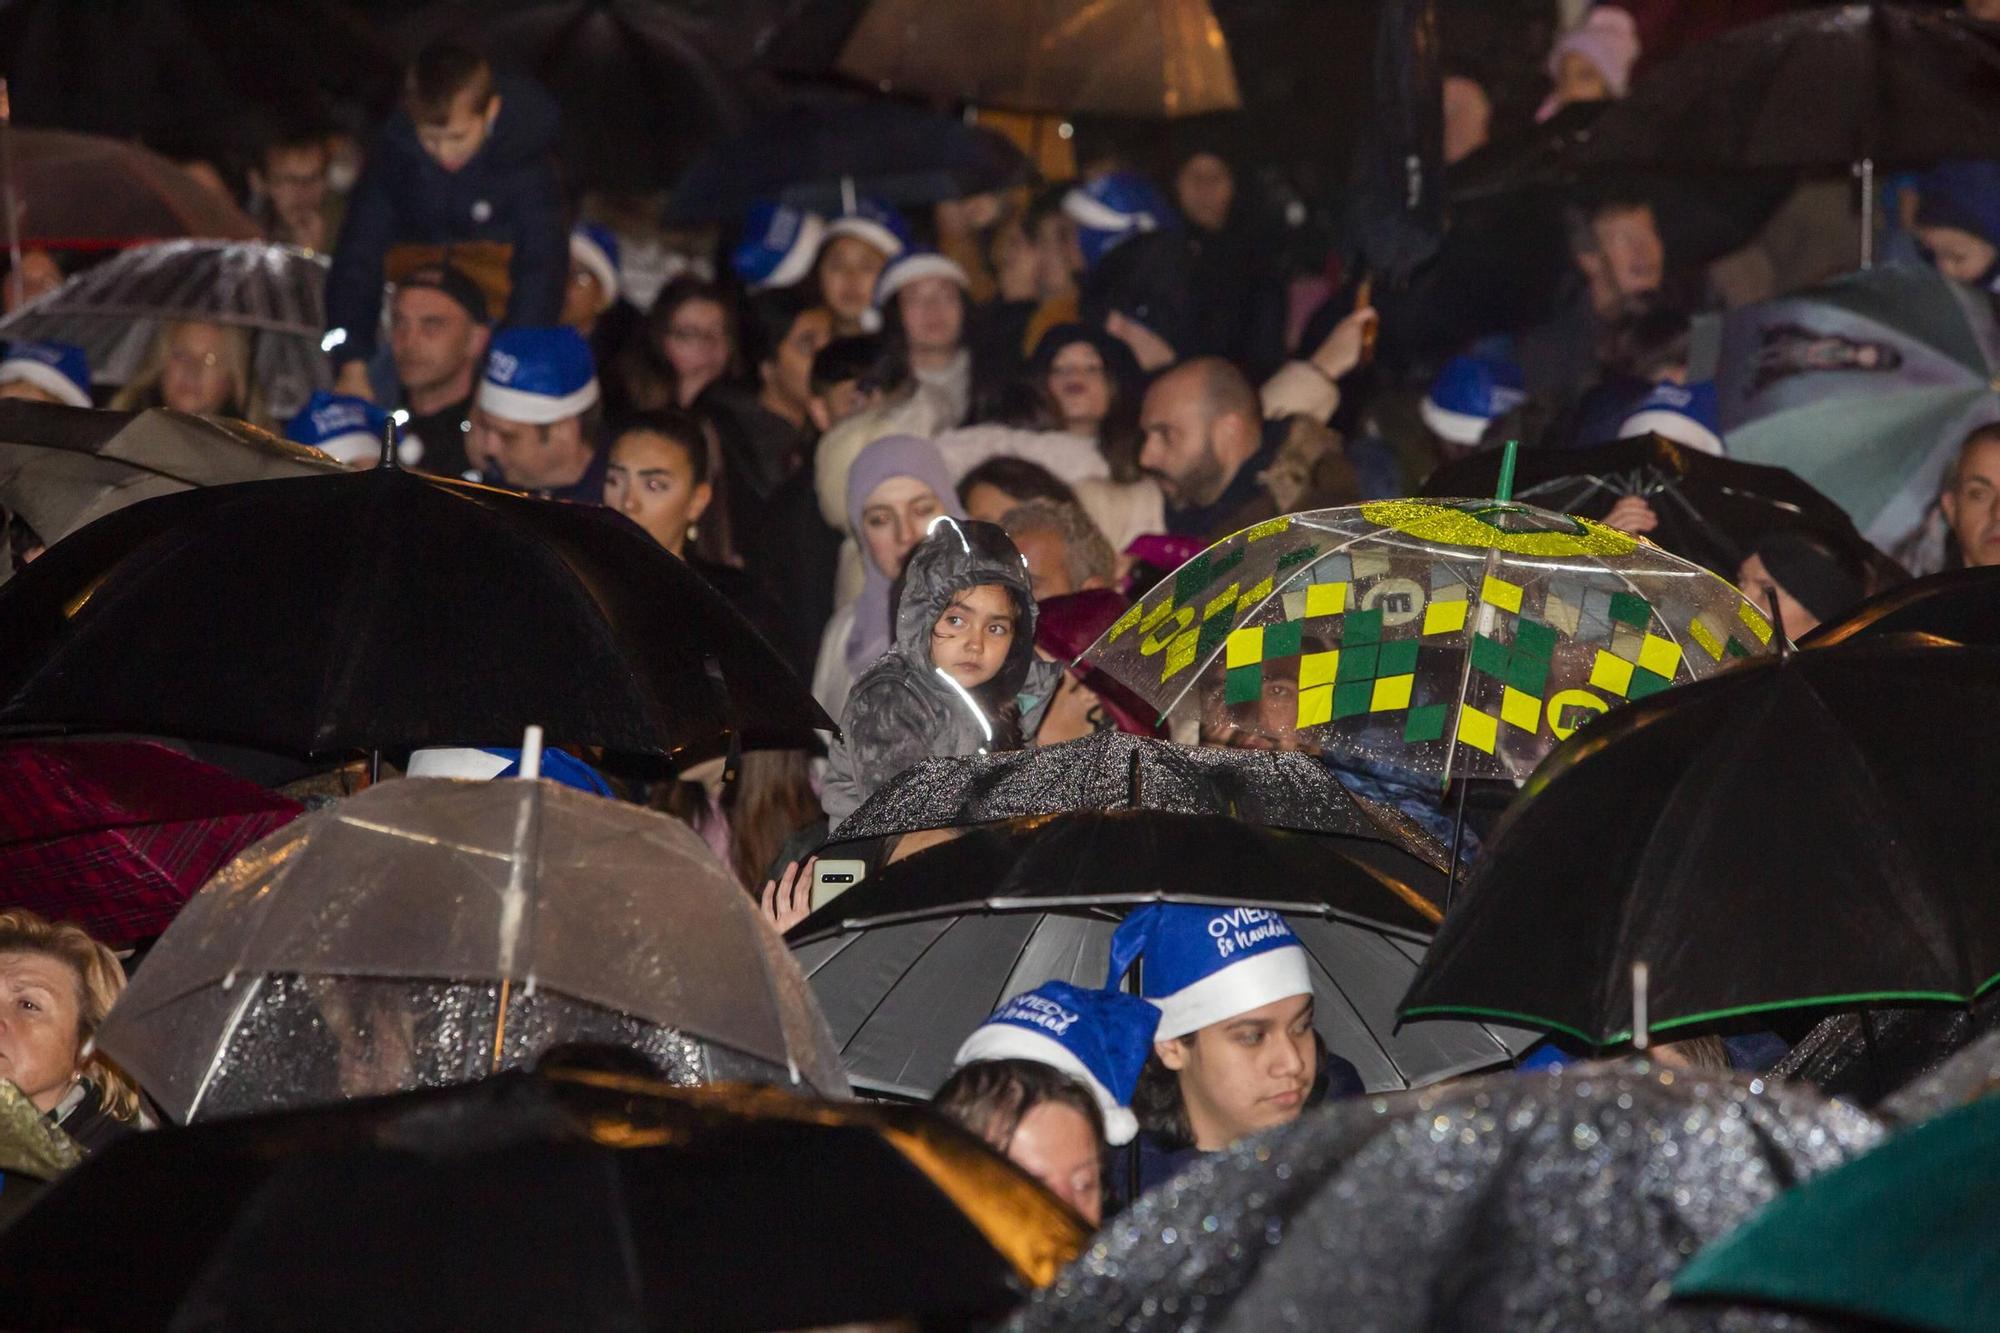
(507, 193)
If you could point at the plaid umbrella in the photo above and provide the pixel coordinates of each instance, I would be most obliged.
(117, 835)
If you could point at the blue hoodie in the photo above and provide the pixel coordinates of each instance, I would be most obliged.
(507, 193)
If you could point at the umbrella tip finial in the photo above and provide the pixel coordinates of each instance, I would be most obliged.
(389, 442)
(1504, 490)
(531, 753)
(1641, 1038)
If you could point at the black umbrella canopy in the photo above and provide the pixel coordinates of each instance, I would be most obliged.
(814, 154)
(385, 610)
(1800, 831)
(1821, 87)
(570, 1200)
(1712, 510)
(1962, 605)
(1112, 770)
(1865, 1057)
(1560, 1201)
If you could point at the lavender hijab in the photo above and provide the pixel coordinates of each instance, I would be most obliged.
(890, 456)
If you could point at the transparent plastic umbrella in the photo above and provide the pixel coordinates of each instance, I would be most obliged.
(429, 931)
(1460, 638)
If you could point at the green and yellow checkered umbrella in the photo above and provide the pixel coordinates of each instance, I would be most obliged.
(1444, 637)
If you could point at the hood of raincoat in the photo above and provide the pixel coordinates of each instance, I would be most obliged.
(955, 556)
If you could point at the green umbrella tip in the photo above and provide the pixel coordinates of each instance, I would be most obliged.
(1503, 490)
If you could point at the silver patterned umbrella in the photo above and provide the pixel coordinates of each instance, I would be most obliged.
(428, 932)
(1515, 1202)
(112, 311)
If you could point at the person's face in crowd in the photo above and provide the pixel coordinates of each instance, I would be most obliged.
(294, 179)
(1972, 505)
(837, 404)
(583, 299)
(1756, 583)
(39, 276)
(1047, 555)
(848, 267)
(650, 479)
(933, 313)
(1468, 118)
(1191, 454)
(197, 373)
(1989, 10)
(1247, 1073)
(1016, 264)
(1081, 387)
(988, 503)
(697, 347)
(1055, 1144)
(1205, 188)
(1630, 259)
(1074, 710)
(972, 636)
(435, 342)
(1578, 80)
(787, 375)
(1058, 254)
(894, 519)
(41, 1010)
(1959, 255)
(533, 457)
(454, 141)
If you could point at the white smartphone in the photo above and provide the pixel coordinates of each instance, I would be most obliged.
(833, 878)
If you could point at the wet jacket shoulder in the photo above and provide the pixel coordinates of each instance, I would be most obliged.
(508, 194)
(903, 708)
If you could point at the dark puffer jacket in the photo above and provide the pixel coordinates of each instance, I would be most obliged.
(903, 708)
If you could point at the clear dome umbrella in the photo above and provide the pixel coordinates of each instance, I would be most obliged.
(428, 932)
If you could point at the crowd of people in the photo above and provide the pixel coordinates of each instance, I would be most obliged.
(932, 455)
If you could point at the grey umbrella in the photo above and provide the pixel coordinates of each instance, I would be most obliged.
(429, 931)
(112, 311)
(1519, 1201)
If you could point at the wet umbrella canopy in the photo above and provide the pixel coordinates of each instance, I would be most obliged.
(1434, 637)
(383, 610)
(1515, 1202)
(568, 1200)
(1962, 605)
(431, 931)
(87, 192)
(1810, 830)
(62, 467)
(277, 293)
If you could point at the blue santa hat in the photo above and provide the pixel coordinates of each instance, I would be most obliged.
(538, 375)
(344, 428)
(486, 763)
(909, 267)
(875, 222)
(1205, 965)
(1687, 414)
(1468, 394)
(1113, 208)
(60, 368)
(596, 249)
(778, 247)
(1101, 1038)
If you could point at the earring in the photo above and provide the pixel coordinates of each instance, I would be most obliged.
(694, 531)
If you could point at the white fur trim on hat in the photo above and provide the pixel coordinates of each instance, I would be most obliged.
(1457, 427)
(868, 230)
(905, 271)
(1006, 1041)
(534, 408)
(44, 376)
(353, 447)
(590, 254)
(1675, 426)
(1097, 215)
(455, 761)
(799, 260)
(1256, 981)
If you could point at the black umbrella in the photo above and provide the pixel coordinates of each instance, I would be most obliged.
(1561, 1201)
(908, 962)
(572, 1201)
(819, 155)
(1398, 172)
(382, 610)
(1712, 510)
(1962, 605)
(1800, 831)
(1865, 1056)
(642, 85)
(1112, 771)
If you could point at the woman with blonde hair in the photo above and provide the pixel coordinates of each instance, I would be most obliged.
(56, 986)
(199, 367)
